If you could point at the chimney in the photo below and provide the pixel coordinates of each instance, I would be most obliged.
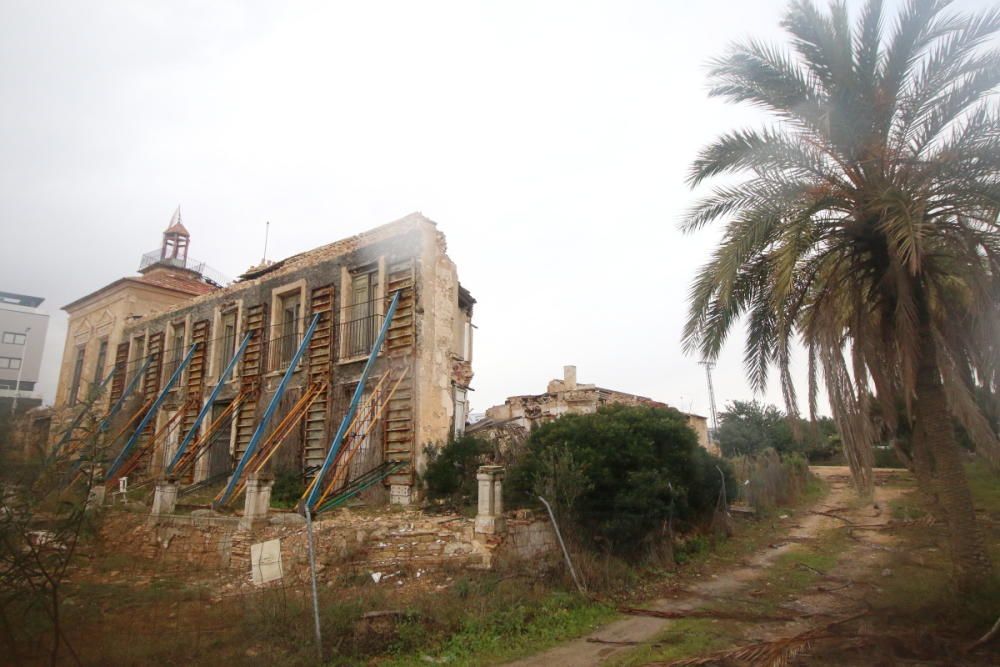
(569, 377)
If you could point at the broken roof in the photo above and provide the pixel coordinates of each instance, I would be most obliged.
(165, 280)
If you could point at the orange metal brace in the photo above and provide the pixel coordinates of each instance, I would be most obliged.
(281, 431)
(133, 461)
(343, 464)
(132, 420)
(314, 480)
(194, 450)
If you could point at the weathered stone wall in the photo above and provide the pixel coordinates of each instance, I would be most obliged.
(413, 238)
(530, 540)
(349, 542)
(106, 317)
(566, 397)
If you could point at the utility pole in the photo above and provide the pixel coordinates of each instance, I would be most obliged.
(709, 365)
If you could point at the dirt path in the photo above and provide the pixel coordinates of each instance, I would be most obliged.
(616, 639)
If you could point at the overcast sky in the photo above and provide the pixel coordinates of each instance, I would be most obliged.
(548, 140)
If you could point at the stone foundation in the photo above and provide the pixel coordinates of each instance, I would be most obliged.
(373, 542)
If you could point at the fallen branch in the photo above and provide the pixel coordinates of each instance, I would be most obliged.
(985, 639)
(707, 613)
(595, 640)
(811, 569)
(832, 516)
(368, 615)
(775, 652)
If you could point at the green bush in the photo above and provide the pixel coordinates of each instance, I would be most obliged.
(287, 490)
(616, 476)
(451, 470)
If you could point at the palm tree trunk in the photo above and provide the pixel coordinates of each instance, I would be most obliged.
(926, 483)
(934, 440)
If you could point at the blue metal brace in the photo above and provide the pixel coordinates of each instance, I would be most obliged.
(68, 433)
(338, 439)
(149, 415)
(208, 404)
(266, 418)
(106, 422)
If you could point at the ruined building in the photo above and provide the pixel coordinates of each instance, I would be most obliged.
(416, 394)
(167, 277)
(567, 396)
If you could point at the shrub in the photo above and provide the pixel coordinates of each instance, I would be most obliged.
(451, 470)
(288, 488)
(768, 480)
(618, 475)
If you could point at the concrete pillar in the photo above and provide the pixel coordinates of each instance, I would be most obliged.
(569, 377)
(95, 499)
(165, 497)
(98, 492)
(258, 500)
(399, 494)
(489, 515)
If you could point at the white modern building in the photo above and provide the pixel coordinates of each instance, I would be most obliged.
(22, 341)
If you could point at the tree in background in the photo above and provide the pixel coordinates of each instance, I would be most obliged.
(863, 221)
(747, 428)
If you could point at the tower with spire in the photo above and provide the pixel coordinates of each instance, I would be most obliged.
(175, 242)
(172, 256)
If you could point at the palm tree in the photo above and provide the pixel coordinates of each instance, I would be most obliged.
(863, 220)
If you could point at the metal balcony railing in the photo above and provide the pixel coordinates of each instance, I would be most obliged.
(359, 327)
(208, 273)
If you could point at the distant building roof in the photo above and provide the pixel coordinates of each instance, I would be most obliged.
(12, 299)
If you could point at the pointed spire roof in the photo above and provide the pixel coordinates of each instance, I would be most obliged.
(176, 226)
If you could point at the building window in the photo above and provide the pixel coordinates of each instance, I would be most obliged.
(461, 410)
(11, 338)
(288, 330)
(227, 342)
(138, 354)
(176, 354)
(12, 384)
(361, 319)
(74, 387)
(102, 357)
(13, 363)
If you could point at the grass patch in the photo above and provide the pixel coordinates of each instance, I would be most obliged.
(683, 638)
(985, 485)
(505, 632)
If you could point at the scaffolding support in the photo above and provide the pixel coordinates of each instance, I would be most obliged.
(359, 391)
(227, 493)
(106, 422)
(197, 448)
(374, 412)
(206, 408)
(92, 401)
(117, 463)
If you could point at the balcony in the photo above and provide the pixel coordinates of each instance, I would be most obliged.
(359, 327)
(204, 270)
(356, 333)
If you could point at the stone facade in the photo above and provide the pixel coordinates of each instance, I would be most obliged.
(565, 397)
(348, 285)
